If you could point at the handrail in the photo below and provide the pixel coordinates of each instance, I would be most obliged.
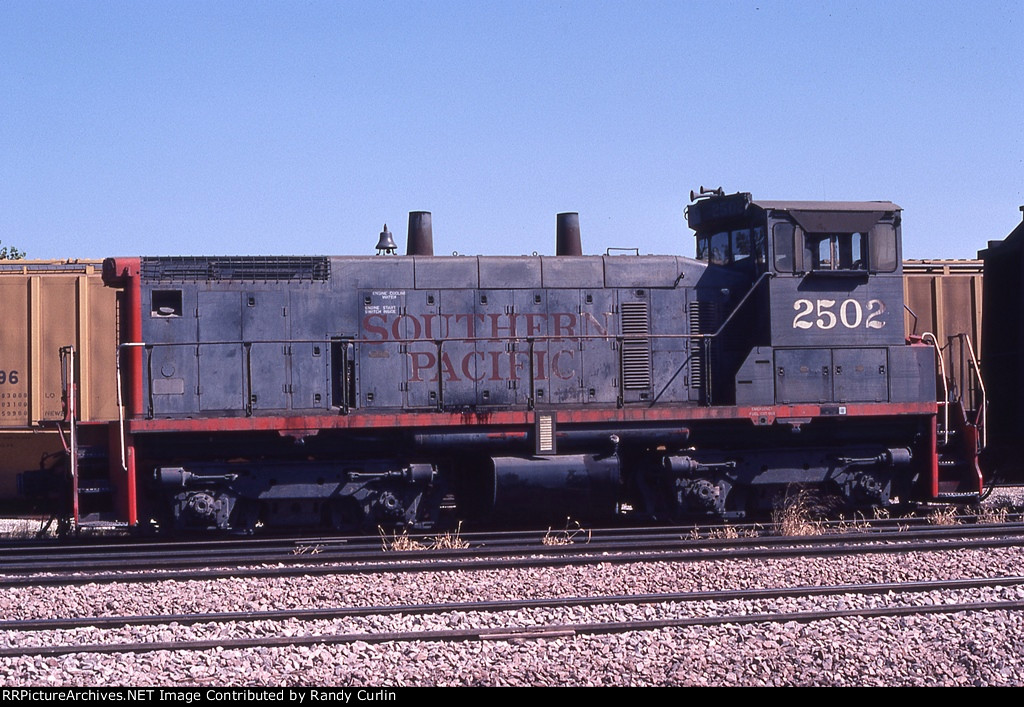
(764, 276)
(120, 398)
(67, 357)
(945, 386)
(982, 418)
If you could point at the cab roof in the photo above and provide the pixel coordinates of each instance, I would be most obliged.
(827, 205)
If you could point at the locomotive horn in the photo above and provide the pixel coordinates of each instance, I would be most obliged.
(567, 234)
(694, 195)
(421, 234)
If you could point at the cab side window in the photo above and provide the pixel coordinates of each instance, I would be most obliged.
(720, 251)
(783, 236)
(883, 247)
(741, 247)
(835, 251)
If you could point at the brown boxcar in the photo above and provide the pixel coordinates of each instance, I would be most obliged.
(944, 298)
(48, 305)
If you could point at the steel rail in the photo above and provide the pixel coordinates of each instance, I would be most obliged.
(12, 549)
(207, 554)
(724, 595)
(510, 633)
(941, 539)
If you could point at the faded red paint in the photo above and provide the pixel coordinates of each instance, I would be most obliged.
(124, 273)
(497, 365)
(377, 420)
(554, 354)
(394, 326)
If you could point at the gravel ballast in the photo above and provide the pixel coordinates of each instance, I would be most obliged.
(966, 648)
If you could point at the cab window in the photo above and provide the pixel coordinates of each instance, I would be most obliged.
(760, 248)
(720, 254)
(883, 248)
(702, 248)
(782, 235)
(741, 247)
(731, 247)
(834, 251)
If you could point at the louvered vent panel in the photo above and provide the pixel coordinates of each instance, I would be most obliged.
(635, 319)
(703, 320)
(636, 365)
(189, 268)
(636, 347)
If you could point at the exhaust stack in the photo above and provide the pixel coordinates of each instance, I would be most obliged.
(421, 234)
(567, 234)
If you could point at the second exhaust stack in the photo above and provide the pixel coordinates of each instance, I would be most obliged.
(567, 234)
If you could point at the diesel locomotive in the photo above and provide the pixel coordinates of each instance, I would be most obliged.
(418, 390)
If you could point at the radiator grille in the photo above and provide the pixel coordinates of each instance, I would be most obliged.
(636, 347)
(188, 268)
(703, 320)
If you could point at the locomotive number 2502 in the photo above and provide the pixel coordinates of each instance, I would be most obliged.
(824, 314)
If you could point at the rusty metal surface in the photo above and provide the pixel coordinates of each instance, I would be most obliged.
(420, 240)
(946, 296)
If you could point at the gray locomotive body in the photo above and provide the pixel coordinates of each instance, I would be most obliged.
(357, 392)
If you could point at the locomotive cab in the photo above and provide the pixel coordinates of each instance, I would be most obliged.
(822, 346)
(830, 329)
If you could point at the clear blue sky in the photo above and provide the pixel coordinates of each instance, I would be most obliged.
(204, 126)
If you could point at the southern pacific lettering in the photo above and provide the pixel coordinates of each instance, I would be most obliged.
(491, 365)
(501, 325)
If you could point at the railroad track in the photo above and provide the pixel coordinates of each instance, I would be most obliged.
(544, 618)
(595, 607)
(281, 558)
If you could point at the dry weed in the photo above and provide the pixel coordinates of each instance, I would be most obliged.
(725, 532)
(793, 517)
(568, 536)
(997, 514)
(943, 516)
(450, 541)
(306, 550)
(399, 543)
(858, 522)
(997, 510)
(754, 531)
